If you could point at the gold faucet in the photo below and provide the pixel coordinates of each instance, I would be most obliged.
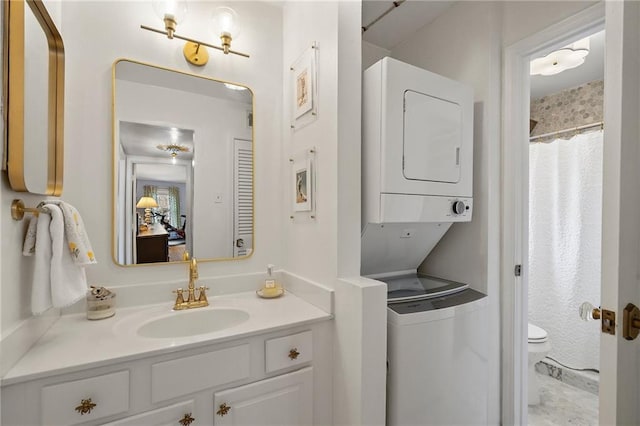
(191, 301)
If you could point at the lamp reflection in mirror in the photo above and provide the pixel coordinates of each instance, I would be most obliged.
(147, 203)
(234, 87)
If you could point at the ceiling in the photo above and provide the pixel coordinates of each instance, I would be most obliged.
(406, 19)
(138, 139)
(401, 22)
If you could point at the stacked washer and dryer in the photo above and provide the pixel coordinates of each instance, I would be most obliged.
(417, 168)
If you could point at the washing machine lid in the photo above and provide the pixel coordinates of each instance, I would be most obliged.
(458, 299)
(417, 286)
(537, 334)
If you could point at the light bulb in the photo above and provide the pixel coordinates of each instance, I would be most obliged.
(225, 25)
(173, 160)
(172, 12)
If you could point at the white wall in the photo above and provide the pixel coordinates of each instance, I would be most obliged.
(329, 247)
(92, 44)
(215, 123)
(524, 18)
(372, 54)
(311, 243)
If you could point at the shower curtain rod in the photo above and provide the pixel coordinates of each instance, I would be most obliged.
(573, 129)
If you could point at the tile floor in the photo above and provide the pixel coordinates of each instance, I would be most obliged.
(563, 404)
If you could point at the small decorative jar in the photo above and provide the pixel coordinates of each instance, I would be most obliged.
(101, 303)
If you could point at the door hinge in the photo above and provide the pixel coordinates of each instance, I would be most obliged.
(517, 270)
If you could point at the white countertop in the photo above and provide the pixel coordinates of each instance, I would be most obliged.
(74, 343)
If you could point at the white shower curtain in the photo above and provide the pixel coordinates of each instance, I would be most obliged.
(565, 228)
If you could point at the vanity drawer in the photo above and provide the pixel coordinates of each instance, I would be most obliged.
(176, 414)
(62, 404)
(171, 379)
(288, 351)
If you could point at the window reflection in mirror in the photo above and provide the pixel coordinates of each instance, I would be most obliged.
(186, 143)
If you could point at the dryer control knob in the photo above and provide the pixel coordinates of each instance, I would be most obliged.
(458, 207)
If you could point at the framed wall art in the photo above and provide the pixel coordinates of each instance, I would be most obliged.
(304, 88)
(302, 184)
(303, 192)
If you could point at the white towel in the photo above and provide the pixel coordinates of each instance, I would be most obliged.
(61, 248)
(77, 238)
(29, 246)
(68, 279)
(41, 284)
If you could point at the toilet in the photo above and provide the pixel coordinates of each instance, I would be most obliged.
(538, 348)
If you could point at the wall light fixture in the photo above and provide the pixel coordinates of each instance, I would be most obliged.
(225, 24)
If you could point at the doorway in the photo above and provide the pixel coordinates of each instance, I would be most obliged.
(515, 242)
(564, 231)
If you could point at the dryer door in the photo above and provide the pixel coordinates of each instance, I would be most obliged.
(432, 138)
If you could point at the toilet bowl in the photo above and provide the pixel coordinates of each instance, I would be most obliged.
(538, 348)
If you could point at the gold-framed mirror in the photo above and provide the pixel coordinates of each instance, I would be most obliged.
(182, 166)
(33, 58)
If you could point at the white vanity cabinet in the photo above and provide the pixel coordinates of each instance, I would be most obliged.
(282, 377)
(176, 414)
(282, 400)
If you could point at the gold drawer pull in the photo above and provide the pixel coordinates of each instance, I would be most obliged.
(187, 420)
(293, 353)
(223, 410)
(85, 407)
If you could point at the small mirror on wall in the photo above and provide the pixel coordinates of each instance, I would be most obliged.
(33, 58)
(183, 166)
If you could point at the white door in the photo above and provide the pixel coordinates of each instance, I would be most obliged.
(282, 400)
(432, 138)
(242, 197)
(619, 358)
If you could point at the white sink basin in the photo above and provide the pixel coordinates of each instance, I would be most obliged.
(191, 323)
